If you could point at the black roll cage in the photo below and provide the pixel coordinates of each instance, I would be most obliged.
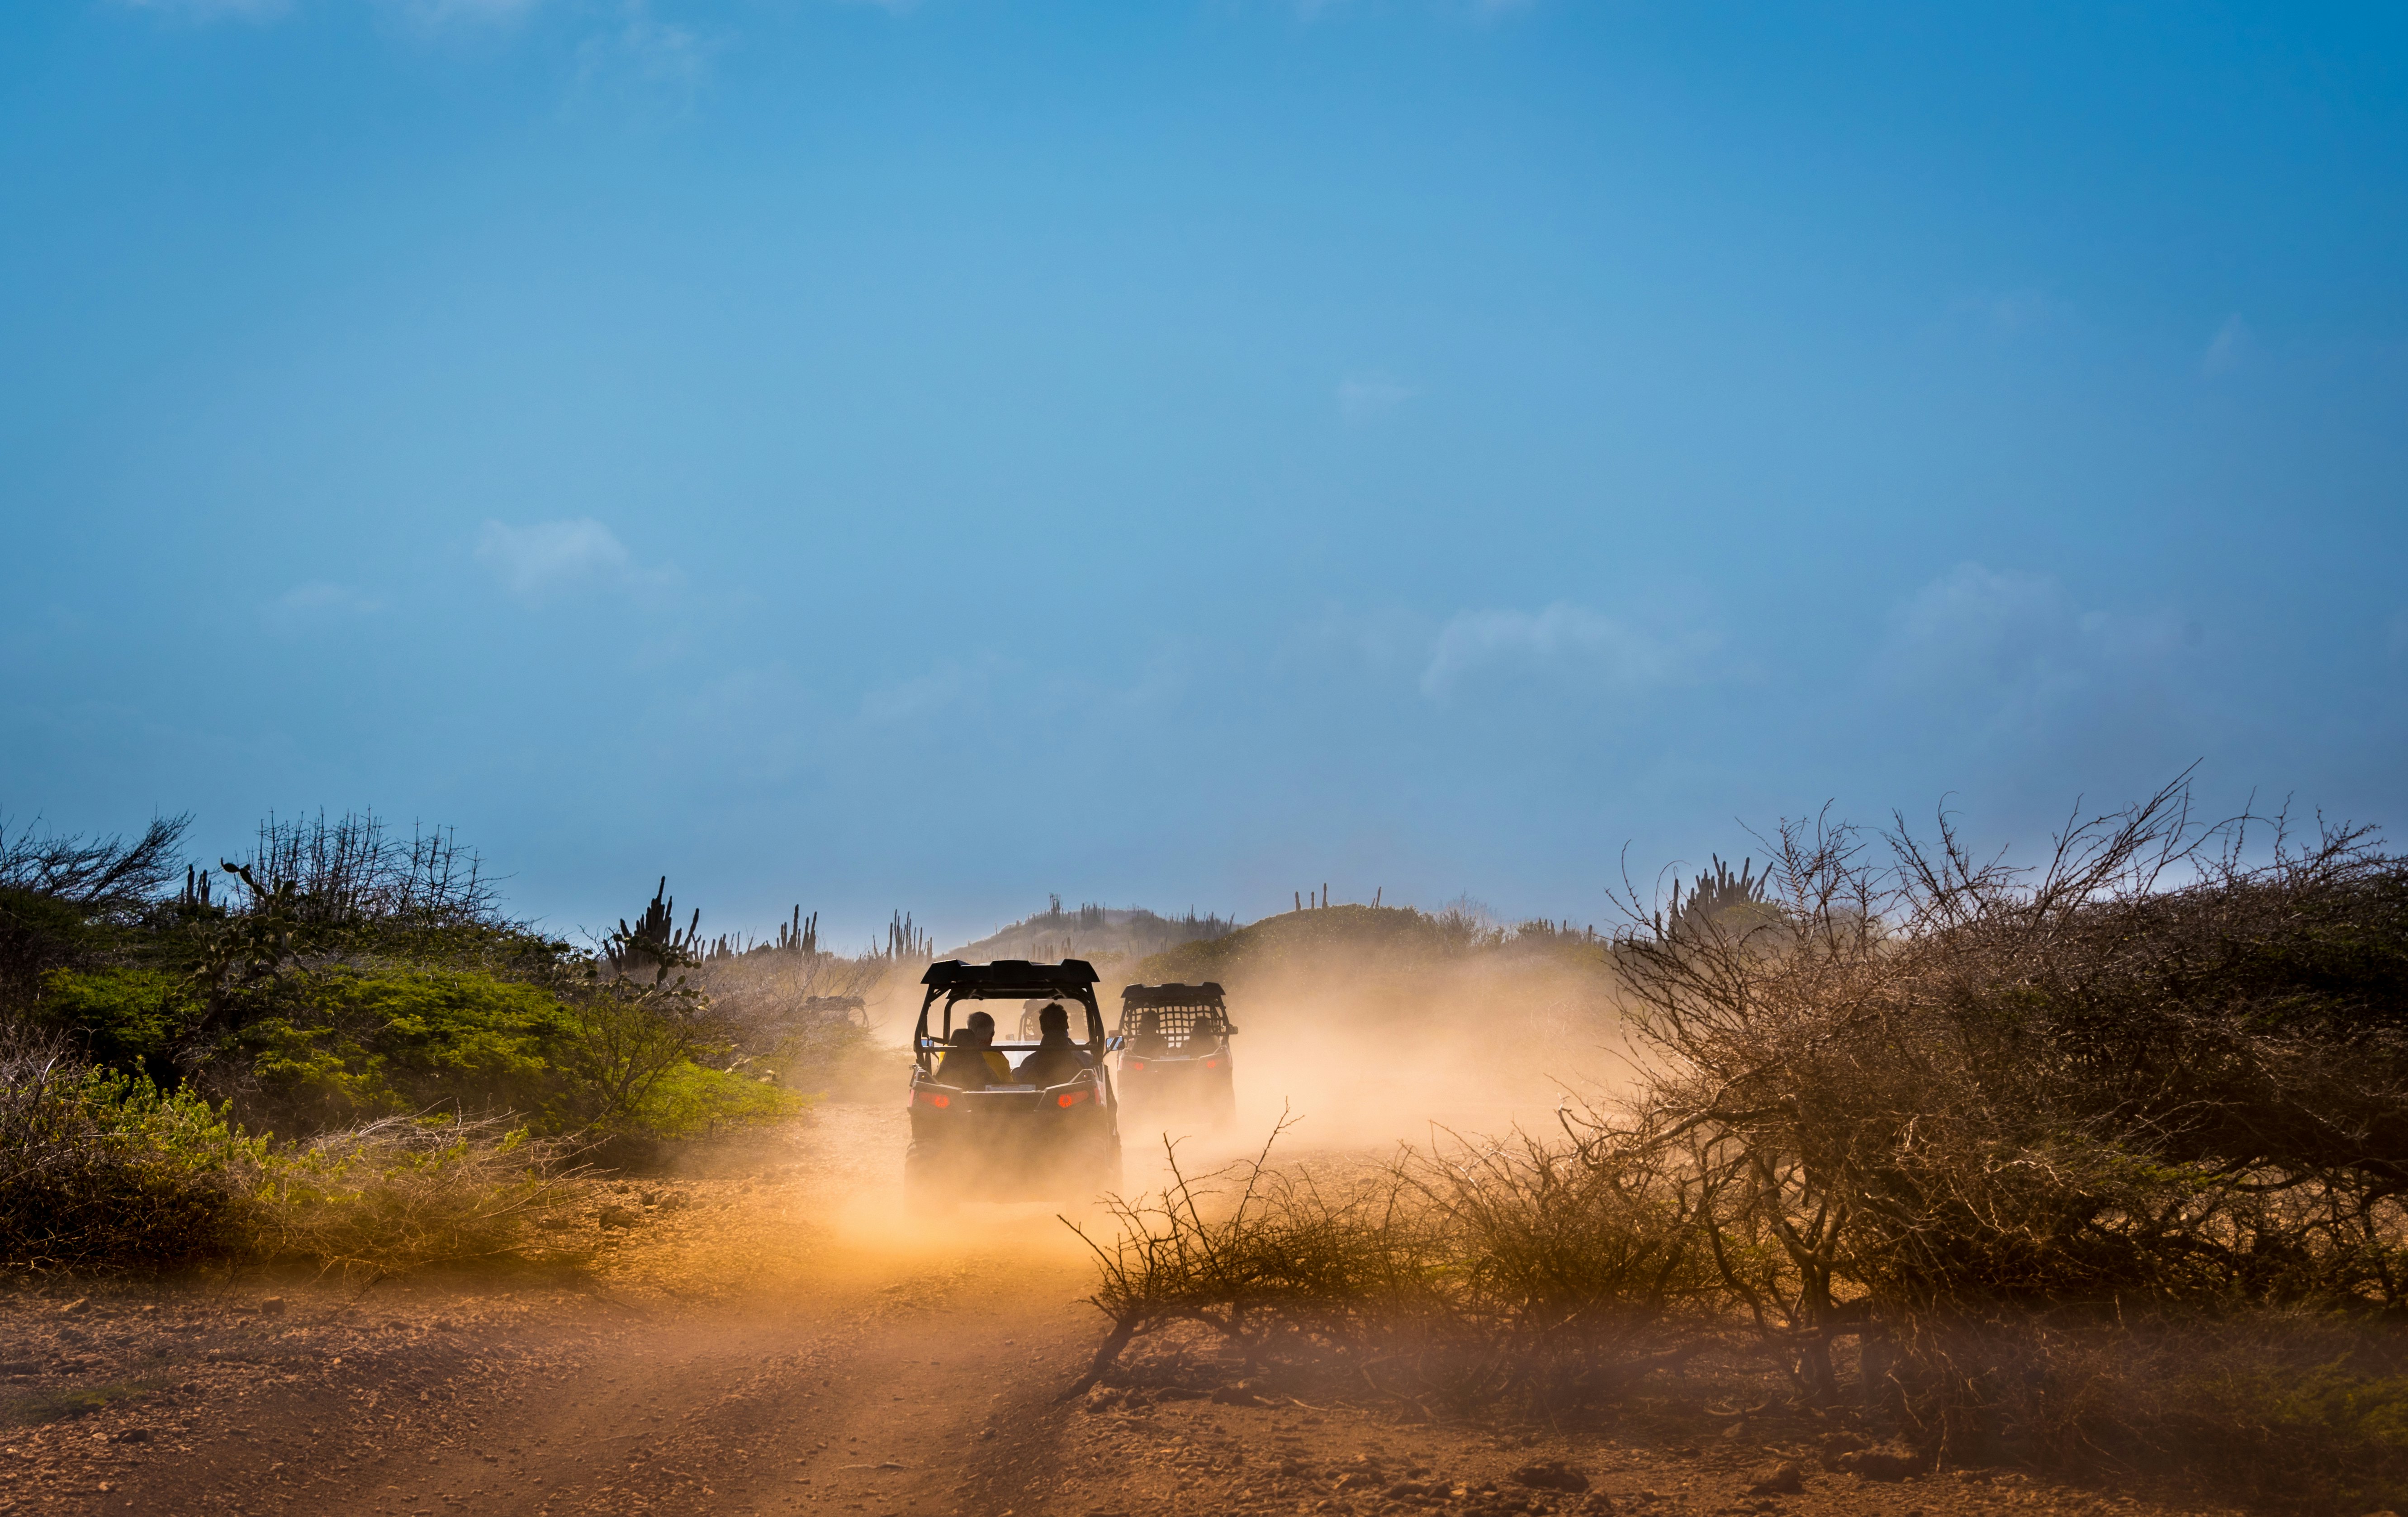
(1005, 980)
(1197, 1015)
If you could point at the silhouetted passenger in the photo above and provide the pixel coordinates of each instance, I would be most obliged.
(964, 1065)
(1148, 1041)
(998, 1067)
(972, 1063)
(1056, 1059)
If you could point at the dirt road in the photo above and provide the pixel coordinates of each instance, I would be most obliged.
(784, 1341)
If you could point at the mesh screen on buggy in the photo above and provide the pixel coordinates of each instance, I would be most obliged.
(1176, 1027)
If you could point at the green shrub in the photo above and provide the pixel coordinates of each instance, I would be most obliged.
(402, 1194)
(102, 1170)
(126, 1018)
(344, 1044)
(691, 1100)
(348, 1045)
(2311, 1414)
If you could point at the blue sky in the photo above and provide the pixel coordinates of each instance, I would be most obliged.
(931, 455)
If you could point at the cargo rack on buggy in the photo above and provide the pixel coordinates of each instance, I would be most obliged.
(1184, 1014)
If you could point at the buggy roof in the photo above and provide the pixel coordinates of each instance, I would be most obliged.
(1207, 993)
(1010, 979)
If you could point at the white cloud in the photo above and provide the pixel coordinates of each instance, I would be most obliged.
(2230, 349)
(1361, 397)
(2013, 651)
(646, 65)
(319, 602)
(549, 558)
(1564, 637)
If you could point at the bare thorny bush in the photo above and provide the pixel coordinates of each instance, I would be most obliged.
(401, 1194)
(1943, 1122)
(1455, 1274)
(2011, 1161)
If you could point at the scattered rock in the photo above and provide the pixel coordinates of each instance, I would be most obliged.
(615, 1216)
(1237, 1395)
(1418, 1491)
(1551, 1475)
(1180, 1393)
(81, 1303)
(1784, 1478)
(1880, 1464)
(1357, 1479)
(273, 1306)
(135, 1435)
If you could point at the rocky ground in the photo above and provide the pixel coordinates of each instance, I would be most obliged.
(785, 1341)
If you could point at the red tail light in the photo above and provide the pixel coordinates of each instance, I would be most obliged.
(1132, 1064)
(1212, 1064)
(1070, 1099)
(935, 1100)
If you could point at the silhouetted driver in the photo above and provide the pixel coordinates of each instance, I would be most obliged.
(1055, 1058)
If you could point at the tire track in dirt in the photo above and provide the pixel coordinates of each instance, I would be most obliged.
(857, 1365)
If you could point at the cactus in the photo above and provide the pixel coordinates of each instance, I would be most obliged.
(1711, 894)
(905, 941)
(801, 936)
(655, 939)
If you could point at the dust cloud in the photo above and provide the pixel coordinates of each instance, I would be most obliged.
(1362, 1049)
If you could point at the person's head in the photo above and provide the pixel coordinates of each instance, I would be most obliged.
(981, 1027)
(1054, 1022)
(1149, 1021)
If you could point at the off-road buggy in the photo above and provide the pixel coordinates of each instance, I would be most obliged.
(1009, 1140)
(1175, 1046)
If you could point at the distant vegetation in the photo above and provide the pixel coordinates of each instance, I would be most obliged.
(1109, 937)
(2101, 1165)
(1399, 937)
(342, 1036)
